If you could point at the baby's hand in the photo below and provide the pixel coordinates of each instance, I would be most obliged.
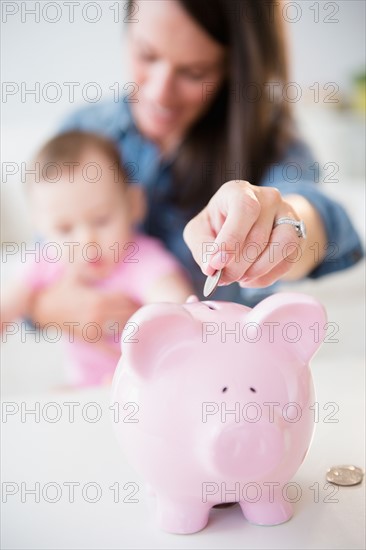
(71, 304)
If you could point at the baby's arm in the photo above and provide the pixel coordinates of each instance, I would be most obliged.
(15, 301)
(173, 287)
(158, 276)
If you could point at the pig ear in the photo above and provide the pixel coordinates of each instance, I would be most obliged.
(152, 332)
(298, 322)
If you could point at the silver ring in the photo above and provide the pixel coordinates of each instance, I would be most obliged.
(298, 225)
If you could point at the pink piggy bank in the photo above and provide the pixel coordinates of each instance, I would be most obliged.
(221, 395)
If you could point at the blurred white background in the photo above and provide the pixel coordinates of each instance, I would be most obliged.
(326, 49)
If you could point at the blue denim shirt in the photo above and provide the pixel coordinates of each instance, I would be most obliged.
(166, 221)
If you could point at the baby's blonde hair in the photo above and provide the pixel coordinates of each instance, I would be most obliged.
(65, 150)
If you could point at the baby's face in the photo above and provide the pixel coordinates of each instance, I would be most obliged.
(90, 220)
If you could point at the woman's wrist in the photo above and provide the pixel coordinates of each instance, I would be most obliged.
(314, 246)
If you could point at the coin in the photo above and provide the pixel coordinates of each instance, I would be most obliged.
(344, 475)
(211, 283)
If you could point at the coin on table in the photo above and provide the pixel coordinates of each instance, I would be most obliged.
(211, 283)
(344, 475)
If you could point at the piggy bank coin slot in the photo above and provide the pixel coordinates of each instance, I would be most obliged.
(211, 305)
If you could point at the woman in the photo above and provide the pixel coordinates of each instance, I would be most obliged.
(214, 145)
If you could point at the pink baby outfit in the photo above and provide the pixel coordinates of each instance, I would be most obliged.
(146, 262)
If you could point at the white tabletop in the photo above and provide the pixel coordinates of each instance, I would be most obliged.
(85, 452)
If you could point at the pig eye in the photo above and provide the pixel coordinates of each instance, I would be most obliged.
(224, 389)
(253, 390)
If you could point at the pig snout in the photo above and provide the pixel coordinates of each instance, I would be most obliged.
(248, 451)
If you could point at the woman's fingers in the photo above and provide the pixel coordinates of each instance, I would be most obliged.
(243, 210)
(255, 242)
(283, 246)
(269, 278)
(235, 233)
(217, 234)
(279, 268)
(199, 237)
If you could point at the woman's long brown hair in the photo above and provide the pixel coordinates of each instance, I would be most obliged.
(249, 124)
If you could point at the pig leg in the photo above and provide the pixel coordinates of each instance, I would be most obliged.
(267, 511)
(181, 517)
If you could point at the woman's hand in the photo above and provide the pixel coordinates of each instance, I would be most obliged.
(73, 305)
(235, 232)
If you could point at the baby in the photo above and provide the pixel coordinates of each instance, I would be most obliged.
(86, 211)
